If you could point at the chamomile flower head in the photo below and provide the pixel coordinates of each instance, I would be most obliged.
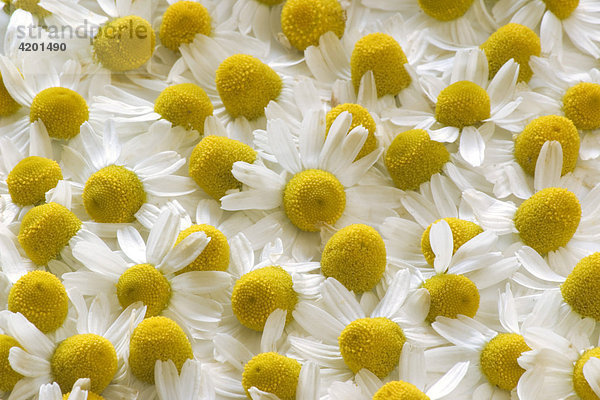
(8, 376)
(185, 105)
(182, 21)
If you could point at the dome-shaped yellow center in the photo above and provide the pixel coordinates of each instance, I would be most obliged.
(451, 295)
(90, 396)
(215, 256)
(399, 390)
(581, 289)
(113, 194)
(580, 384)
(84, 356)
(360, 117)
(31, 178)
(372, 343)
(45, 230)
(462, 232)
(581, 104)
(246, 86)
(31, 6)
(272, 373)
(143, 282)
(185, 105)
(548, 219)
(8, 105)
(498, 360)
(125, 43)
(212, 160)
(61, 110)
(444, 10)
(381, 54)
(461, 104)
(312, 198)
(304, 21)
(181, 22)
(8, 377)
(561, 8)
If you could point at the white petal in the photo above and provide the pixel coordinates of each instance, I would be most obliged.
(186, 251)
(548, 167)
(591, 372)
(442, 244)
(450, 381)
(472, 146)
(308, 382)
(273, 330)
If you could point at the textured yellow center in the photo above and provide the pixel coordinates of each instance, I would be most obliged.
(444, 10)
(399, 390)
(185, 105)
(45, 230)
(157, 338)
(461, 104)
(548, 219)
(8, 105)
(84, 356)
(581, 289)
(272, 373)
(498, 360)
(561, 8)
(512, 41)
(381, 54)
(125, 43)
(61, 110)
(143, 282)
(312, 198)
(212, 160)
(580, 384)
(31, 6)
(462, 232)
(304, 21)
(113, 194)
(246, 86)
(31, 178)
(451, 295)
(181, 22)
(581, 104)
(215, 256)
(360, 116)
(90, 396)
(8, 377)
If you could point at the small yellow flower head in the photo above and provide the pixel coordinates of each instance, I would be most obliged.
(45, 230)
(444, 10)
(113, 194)
(157, 338)
(185, 105)
(581, 289)
(381, 54)
(498, 360)
(61, 110)
(355, 255)
(399, 390)
(31, 6)
(143, 282)
(181, 22)
(512, 41)
(214, 257)
(312, 198)
(246, 86)
(360, 116)
(272, 373)
(8, 377)
(84, 356)
(451, 295)
(562, 8)
(260, 292)
(580, 384)
(581, 104)
(462, 232)
(31, 178)
(548, 219)
(90, 396)
(212, 160)
(304, 21)
(461, 104)
(8, 105)
(124, 44)
(542, 129)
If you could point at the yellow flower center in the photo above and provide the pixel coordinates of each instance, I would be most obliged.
(143, 282)
(84, 356)
(8, 105)
(444, 10)
(312, 198)
(181, 22)
(413, 158)
(214, 257)
(498, 360)
(462, 232)
(125, 43)
(360, 117)
(581, 289)
(561, 8)
(31, 178)
(399, 390)
(90, 396)
(8, 377)
(381, 54)
(185, 105)
(45, 230)
(461, 104)
(580, 384)
(512, 41)
(61, 110)
(246, 86)
(113, 194)
(304, 21)
(548, 219)
(451, 295)
(32, 6)
(355, 255)
(272, 373)
(212, 160)
(581, 104)
(157, 338)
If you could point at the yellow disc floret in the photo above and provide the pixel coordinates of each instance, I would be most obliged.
(581, 104)
(462, 232)
(32, 6)
(355, 255)
(548, 219)
(512, 41)
(45, 230)
(444, 10)
(8, 376)
(181, 22)
(360, 116)
(399, 390)
(61, 110)
(84, 356)
(212, 160)
(90, 396)
(272, 373)
(381, 54)
(581, 289)
(498, 360)
(304, 21)
(185, 105)
(113, 194)
(580, 384)
(157, 338)
(125, 43)
(246, 86)
(561, 8)
(312, 198)
(215, 256)
(31, 178)
(451, 295)
(143, 282)
(8, 105)
(542, 129)
(461, 104)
